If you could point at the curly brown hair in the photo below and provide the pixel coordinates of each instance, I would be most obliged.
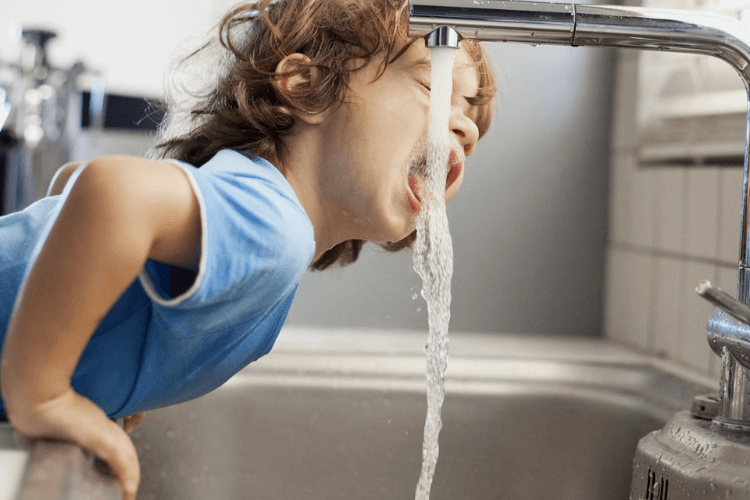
(233, 104)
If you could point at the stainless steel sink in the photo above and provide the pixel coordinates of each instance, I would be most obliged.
(339, 415)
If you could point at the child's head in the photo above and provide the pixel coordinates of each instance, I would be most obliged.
(236, 102)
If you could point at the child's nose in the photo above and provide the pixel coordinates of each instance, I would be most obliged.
(465, 131)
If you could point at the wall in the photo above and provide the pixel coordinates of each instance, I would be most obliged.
(670, 228)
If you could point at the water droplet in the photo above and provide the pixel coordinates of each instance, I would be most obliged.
(414, 296)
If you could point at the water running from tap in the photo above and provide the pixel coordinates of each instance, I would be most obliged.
(433, 258)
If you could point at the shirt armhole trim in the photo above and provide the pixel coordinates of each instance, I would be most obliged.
(143, 276)
(60, 171)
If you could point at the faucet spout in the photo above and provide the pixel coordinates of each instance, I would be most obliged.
(588, 25)
(443, 36)
(497, 21)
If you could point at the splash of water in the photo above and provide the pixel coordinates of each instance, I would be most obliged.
(433, 259)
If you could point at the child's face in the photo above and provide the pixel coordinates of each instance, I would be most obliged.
(372, 138)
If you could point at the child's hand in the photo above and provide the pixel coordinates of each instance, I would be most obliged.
(73, 417)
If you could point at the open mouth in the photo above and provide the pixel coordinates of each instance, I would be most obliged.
(454, 169)
(455, 166)
(415, 200)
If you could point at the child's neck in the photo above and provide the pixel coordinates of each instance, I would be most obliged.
(302, 168)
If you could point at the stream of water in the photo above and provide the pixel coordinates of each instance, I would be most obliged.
(433, 258)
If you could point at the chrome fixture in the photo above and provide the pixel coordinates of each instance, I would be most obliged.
(4, 107)
(443, 37)
(729, 337)
(40, 109)
(37, 115)
(664, 30)
(495, 21)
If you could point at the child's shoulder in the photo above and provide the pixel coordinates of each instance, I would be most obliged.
(255, 180)
(245, 169)
(249, 200)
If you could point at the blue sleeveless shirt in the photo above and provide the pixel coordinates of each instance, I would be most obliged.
(154, 349)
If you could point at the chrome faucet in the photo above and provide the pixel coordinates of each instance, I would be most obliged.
(625, 27)
(669, 456)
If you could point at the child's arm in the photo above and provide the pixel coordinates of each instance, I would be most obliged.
(119, 212)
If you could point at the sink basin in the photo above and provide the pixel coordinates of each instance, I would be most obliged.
(339, 415)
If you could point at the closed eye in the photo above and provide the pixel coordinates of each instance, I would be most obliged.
(425, 86)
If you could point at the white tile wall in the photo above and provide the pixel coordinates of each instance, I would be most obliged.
(665, 330)
(669, 192)
(628, 299)
(730, 199)
(615, 324)
(636, 273)
(621, 187)
(702, 211)
(626, 79)
(670, 227)
(642, 207)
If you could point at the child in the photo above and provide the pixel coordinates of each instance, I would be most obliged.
(145, 283)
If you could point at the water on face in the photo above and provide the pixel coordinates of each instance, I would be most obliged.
(433, 258)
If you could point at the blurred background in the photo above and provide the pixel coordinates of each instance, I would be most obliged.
(529, 225)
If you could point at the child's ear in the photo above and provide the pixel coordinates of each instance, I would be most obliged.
(295, 76)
